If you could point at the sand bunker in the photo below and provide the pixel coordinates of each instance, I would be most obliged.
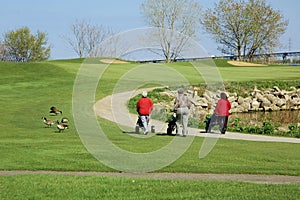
(113, 61)
(239, 63)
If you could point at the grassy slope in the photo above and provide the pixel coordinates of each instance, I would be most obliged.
(28, 90)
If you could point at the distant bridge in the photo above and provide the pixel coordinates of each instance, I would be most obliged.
(284, 55)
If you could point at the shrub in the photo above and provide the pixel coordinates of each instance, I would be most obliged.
(252, 129)
(294, 130)
(267, 128)
(236, 125)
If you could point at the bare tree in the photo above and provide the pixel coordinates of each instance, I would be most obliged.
(245, 27)
(86, 38)
(78, 44)
(177, 21)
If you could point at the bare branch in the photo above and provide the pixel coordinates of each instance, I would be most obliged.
(177, 20)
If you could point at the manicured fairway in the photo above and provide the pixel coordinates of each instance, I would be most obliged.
(28, 90)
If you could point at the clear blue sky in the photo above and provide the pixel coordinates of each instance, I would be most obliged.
(56, 16)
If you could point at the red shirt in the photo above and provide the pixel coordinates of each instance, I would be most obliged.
(144, 106)
(223, 107)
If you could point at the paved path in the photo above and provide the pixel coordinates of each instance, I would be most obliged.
(252, 178)
(114, 108)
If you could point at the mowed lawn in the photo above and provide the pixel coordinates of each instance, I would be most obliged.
(28, 90)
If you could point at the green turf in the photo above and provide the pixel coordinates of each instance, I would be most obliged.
(28, 90)
(94, 187)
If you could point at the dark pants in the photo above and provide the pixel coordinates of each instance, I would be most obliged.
(217, 120)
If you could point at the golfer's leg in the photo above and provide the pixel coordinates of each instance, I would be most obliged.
(179, 121)
(184, 124)
(145, 124)
(224, 127)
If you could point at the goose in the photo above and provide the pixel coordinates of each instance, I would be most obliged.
(55, 111)
(64, 120)
(61, 127)
(48, 122)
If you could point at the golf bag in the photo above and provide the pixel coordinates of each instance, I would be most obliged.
(172, 124)
(211, 122)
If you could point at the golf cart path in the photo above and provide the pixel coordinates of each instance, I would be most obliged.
(114, 108)
(251, 178)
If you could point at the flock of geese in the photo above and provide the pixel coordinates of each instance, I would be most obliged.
(60, 124)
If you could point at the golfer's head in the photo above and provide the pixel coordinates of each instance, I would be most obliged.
(144, 93)
(180, 91)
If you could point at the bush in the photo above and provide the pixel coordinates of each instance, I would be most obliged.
(252, 129)
(267, 128)
(236, 125)
(294, 130)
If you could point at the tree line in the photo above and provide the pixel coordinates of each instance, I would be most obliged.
(241, 27)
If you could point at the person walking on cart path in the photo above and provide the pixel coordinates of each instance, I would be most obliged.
(182, 106)
(144, 108)
(221, 114)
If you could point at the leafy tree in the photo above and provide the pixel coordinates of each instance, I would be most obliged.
(3, 52)
(21, 46)
(171, 17)
(245, 27)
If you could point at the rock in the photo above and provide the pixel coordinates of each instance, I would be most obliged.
(240, 100)
(269, 100)
(298, 92)
(276, 89)
(280, 102)
(203, 103)
(246, 105)
(266, 108)
(232, 99)
(255, 105)
(207, 96)
(266, 103)
(255, 89)
(295, 101)
(248, 100)
(237, 109)
(234, 104)
(283, 129)
(274, 107)
(259, 97)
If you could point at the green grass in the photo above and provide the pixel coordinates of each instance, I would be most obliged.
(28, 90)
(94, 187)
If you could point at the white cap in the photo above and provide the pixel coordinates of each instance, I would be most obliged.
(144, 93)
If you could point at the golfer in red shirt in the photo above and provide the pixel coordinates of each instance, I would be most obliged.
(222, 112)
(144, 108)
